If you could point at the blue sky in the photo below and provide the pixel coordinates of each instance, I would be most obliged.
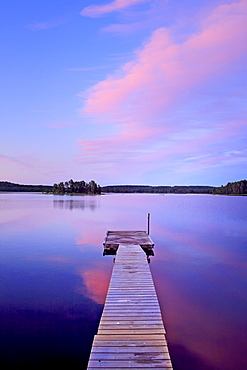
(123, 92)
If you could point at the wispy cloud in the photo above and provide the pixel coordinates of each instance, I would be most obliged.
(148, 15)
(151, 93)
(60, 124)
(56, 259)
(136, 20)
(116, 5)
(86, 69)
(127, 28)
(40, 26)
(5, 158)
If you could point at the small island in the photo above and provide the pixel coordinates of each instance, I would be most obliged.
(72, 187)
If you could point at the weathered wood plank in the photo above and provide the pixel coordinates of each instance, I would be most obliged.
(114, 315)
(98, 348)
(137, 308)
(122, 306)
(132, 331)
(123, 356)
(131, 321)
(132, 301)
(130, 337)
(121, 318)
(118, 364)
(130, 344)
(134, 321)
(132, 368)
(131, 294)
(149, 328)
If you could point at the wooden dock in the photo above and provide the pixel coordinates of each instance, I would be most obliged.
(131, 332)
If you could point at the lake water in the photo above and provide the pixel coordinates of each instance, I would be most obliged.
(54, 277)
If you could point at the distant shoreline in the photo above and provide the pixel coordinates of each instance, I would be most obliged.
(12, 187)
(235, 188)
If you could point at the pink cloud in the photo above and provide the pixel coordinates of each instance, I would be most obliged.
(168, 68)
(116, 5)
(96, 280)
(149, 91)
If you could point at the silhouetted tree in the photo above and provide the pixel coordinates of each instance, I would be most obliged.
(77, 187)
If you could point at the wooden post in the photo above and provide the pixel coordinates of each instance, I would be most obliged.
(148, 223)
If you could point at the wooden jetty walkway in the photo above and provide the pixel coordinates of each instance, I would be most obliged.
(131, 332)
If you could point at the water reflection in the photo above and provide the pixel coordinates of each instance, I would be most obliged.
(34, 336)
(54, 277)
(43, 318)
(200, 277)
(96, 280)
(71, 204)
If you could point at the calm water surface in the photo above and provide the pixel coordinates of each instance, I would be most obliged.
(54, 278)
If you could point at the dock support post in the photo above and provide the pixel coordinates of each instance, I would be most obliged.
(148, 223)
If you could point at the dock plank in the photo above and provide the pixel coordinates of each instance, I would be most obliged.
(130, 349)
(123, 364)
(123, 356)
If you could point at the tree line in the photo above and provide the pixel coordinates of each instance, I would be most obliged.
(232, 188)
(76, 187)
(81, 187)
(11, 187)
(158, 189)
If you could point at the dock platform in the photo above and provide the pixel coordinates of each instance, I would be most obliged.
(114, 238)
(131, 332)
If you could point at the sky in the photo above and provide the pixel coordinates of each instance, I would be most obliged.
(124, 91)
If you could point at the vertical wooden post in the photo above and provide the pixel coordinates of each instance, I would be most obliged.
(148, 223)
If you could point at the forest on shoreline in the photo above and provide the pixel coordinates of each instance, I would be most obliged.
(158, 189)
(81, 187)
(232, 188)
(6, 186)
